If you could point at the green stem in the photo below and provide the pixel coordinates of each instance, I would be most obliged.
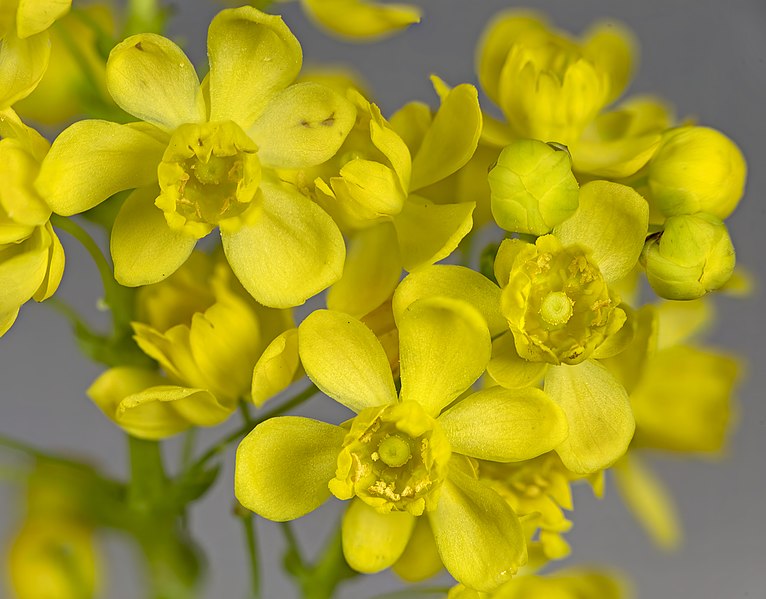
(252, 551)
(147, 474)
(144, 16)
(187, 451)
(240, 432)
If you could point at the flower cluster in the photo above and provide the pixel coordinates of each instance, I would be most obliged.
(476, 391)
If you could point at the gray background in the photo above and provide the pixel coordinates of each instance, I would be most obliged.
(709, 59)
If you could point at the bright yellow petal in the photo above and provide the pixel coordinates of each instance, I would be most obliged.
(151, 78)
(92, 160)
(457, 282)
(361, 19)
(372, 270)
(612, 220)
(252, 56)
(22, 64)
(291, 252)
(34, 16)
(451, 139)
(302, 126)
(480, 539)
(411, 123)
(278, 366)
(429, 232)
(283, 466)
(444, 348)
(611, 48)
(55, 269)
(504, 425)
(601, 423)
(7, 319)
(144, 248)
(11, 126)
(22, 270)
(373, 541)
(645, 496)
(345, 360)
(511, 370)
(420, 559)
(190, 406)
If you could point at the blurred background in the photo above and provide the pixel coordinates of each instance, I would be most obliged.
(708, 59)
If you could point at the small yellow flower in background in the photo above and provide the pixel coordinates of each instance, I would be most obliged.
(25, 44)
(361, 20)
(31, 256)
(204, 157)
(403, 456)
(207, 334)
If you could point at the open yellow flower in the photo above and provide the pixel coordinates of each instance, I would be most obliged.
(403, 456)
(204, 157)
(31, 256)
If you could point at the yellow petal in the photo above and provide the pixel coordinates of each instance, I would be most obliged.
(302, 126)
(22, 270)
(7, 319)
(444, 348)
(55, 269)
(144, 248)
(252, 57)
(278, 366)
(345, 360)
(91, 160)
(457, 282)
(283, 466)
(480, 539)
(451, 139)
(504, 425)
(612, 220)
(411, 123)
(291, 252)
(34, 16)
(511, 370)
(22, 64)
(429, 232)
(645, 496)
(601, 423)
(191, 406)
(372, 270)
(151, 78)
(373, 541)
(11, 126)
(611, 48)
(361, 19)
(420, 559)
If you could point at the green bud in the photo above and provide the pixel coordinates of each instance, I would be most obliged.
(533, 188)
(697, 169)
(691, 257)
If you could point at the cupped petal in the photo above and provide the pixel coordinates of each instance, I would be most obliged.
(444, 348)
(373, 541)
(651, 504)
(479, 537)
(509, 369)
(302, 126)
(505, 425)
(430, 232)
(55, 269)
(11, 126)
(196, 407)
(612, 49)
(284, 464)
(34, 16)
(277, 368)
(372, 270)
(345, 360)
(22, 270)
(420, 559)
(92, 160)
(361, 19)
(144, 248)
(597, 408)
(612, 220)
(23, 63)
(451, 138)
(291, 252)
(252, 57)
(151, 78)
(457, 282)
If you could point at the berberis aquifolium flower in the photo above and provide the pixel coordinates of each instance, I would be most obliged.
(407, 455)
(204, 155)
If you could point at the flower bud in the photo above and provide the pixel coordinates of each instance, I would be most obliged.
(697, 169)
(533, 188)
(692, 256)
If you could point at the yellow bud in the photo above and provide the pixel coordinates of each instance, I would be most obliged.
(533, 188)
(697, 169)
(692, 256)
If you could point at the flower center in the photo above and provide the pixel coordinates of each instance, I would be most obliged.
(556, 308)
(394, 458)
(209, 174)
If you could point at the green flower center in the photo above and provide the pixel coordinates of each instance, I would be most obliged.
(209, 173)
(395, 451)
(556, 308)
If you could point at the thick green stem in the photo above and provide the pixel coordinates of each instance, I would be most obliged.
(147, 474)
(248, 522)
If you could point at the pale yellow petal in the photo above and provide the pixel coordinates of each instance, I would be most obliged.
(278, 366)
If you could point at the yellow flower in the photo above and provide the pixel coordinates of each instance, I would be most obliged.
(205, 157)
(31, 256)
(361, 20)
(403, 455)
(25, 44)
(206, 334)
